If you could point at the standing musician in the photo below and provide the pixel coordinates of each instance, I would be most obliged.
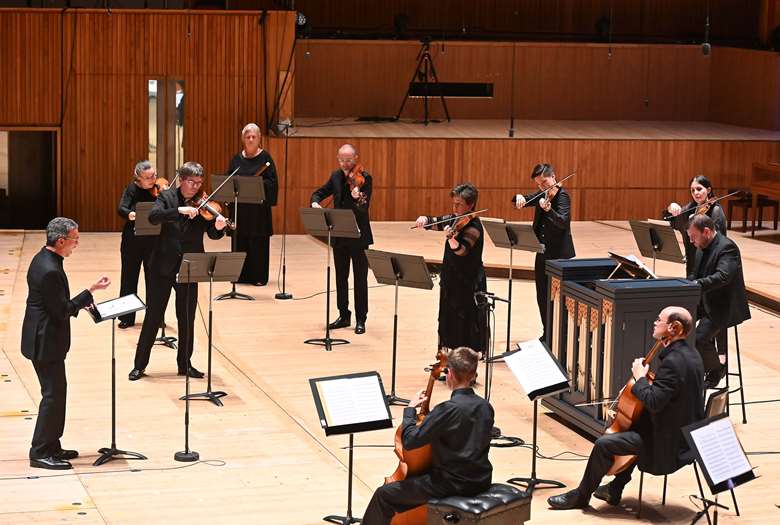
(718, 270)
(46, 338)
(255, 222)
(462, 275)
(350, 186)
(135, 250)
(673, 400)
(552, 225)
(182, 232)
(701, 190)
(458, 431)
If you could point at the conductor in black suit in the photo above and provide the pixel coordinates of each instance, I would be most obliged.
(350, 196)
(46, 338)
(552, 225)
(182, 232)
(718, 270)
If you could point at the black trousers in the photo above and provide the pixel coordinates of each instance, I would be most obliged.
(399, 496)
(257, 250)
(707, 333)
(51, 412)
(601, 459)
(186, 303)
(342, 255)
(541, 289)
(134, 253)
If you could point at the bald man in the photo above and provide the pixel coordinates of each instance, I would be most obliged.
(673, 400)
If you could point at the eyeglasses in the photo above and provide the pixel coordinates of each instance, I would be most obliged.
(345, 159)
(192, 182)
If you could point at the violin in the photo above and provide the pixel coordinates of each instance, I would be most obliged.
(416, 461)
(704, 207)
(546, 192)
(209, 210)
(356, 179)
(458, 221)
(161, 184)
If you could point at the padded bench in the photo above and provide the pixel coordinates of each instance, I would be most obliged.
(499, 505)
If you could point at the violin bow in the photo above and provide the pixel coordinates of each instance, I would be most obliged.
(208, 198)
(544, 192)
(452, 218)
(709, 202)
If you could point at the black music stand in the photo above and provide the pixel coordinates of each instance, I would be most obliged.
(657, 240)
(240, 189)
(513, 236)
(144, 227)
(398, 269)
(539, 375)
(103, 312)
(328, 222)
(211, 267)
(348, 404)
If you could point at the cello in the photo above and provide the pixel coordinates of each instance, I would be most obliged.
(416, 461)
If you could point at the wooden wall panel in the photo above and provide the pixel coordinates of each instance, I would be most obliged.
(616, 180)
(30, 67)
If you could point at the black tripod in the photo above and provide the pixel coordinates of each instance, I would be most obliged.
(187, 455)
(107, 454)
(283, 294)
(424, 71)
(165, 340)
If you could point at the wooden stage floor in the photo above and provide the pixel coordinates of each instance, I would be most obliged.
(531, 129)
(265, 458)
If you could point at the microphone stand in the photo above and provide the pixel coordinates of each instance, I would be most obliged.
(187, 455)
(283, 295)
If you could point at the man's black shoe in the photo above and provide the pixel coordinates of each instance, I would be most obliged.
(193, 373)
(341, 322)
(135, 374)
(605, 493)
(713, 377)
(66, 455)
(125, 324)
(570, 500)
(360, 327)
(51, 463)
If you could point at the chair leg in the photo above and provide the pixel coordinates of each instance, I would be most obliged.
(639, 507)
(701, 490)
(734, 499)
(663, 496)
(728, 374)
(741, 382)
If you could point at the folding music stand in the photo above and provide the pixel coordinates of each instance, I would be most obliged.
(398, 269)
(348, 404)
(513, 236)
(210, 267)
(103, 312)
(143, 227)
(245, 190)
(657, 240)
(328, 222)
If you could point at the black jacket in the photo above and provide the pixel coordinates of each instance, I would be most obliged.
(718, 270)
(458, 431)
(338, 187)
(553, 228)
(681, 222)
(256, 219)
(46, 326)
(674, 399)
(179, 233)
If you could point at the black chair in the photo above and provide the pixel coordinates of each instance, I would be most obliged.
(499, 505)
(746, 202)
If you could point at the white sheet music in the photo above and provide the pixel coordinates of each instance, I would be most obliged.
(534, 367)
(720, 450)
(120, 305)
(353, 400)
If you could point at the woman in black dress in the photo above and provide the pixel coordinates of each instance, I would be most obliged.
(255, 225)
(135, 250)
(461, 323)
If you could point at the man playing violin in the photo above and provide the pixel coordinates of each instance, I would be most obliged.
(673, 400)
(458, 431)
(552, 225)
(350, 195)
(182, 232)
(135, 250)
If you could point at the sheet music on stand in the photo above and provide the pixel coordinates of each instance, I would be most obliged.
(116, 307)
(719, 453)
(351, 403)
(632, 265)
(537, 371)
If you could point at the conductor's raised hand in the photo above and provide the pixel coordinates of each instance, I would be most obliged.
(101, 284)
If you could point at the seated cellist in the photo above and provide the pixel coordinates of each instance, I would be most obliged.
(673, 400)
(458, 431)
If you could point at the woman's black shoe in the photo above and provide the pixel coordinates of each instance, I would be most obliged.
(125, 324)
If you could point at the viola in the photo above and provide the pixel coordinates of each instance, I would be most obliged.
(209, 210)
(161, 184)
(416, 461)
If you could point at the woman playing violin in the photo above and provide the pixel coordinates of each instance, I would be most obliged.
(135, 250)
(461, 323)
(673, 400)
(701, 192)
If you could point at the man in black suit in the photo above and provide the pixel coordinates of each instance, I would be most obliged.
(355, 198)
(552, 225)
(182, 232)
(672, 401)
(46, 338)
(718, 270)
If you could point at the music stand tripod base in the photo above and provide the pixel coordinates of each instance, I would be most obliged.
(186, 456)
(206, 396)
(233, 294)
(341, 520)
(327, 342)
(530, 484)
(107, 454)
